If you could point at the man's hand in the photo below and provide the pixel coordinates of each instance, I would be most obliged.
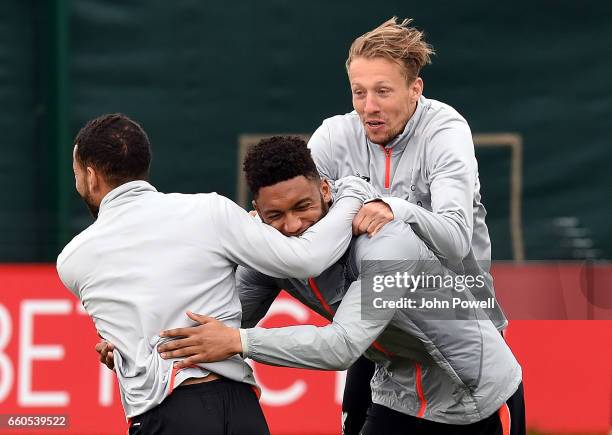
(371, 218)
(105, 349)
(211, 341)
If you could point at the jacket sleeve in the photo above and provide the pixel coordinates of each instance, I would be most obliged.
(247, 242)
(257, 292)
(356, 324)
(333, 347)
(321, 150)
(447, 229)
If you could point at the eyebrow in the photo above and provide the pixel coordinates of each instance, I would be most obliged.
(298, 204)
(301, 202)
(378, 83)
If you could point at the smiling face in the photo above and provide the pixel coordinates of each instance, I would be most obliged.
(382, 97)
(294, 205)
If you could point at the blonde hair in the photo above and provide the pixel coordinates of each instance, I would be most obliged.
(395, 42)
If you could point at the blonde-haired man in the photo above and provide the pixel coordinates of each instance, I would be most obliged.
(419, 153)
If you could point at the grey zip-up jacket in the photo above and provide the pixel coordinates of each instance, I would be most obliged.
(448, 371)
(150, 257)
(429, 176)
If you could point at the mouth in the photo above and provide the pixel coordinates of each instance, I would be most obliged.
(375, 124)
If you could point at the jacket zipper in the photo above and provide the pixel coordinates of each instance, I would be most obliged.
(419, 390)
(387, 152)
(319, 296)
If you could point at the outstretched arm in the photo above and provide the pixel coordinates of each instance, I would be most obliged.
(250, 243)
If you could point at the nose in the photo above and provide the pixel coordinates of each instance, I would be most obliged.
(371, 103)
(292, 225)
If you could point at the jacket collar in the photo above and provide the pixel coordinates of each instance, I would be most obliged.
(125, 193)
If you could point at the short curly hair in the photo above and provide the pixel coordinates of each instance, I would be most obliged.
(115, 145)
(276, 159)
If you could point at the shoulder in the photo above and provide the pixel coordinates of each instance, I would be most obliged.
(440, 116)
(349, 123)
(210, 203)
(337, 128)
(77, 244)
(219, 204)
(446, 134)
(74, 255)
(191, 197)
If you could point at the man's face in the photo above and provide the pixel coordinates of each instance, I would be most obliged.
(294, 205)
(82, 185)
(382, 97)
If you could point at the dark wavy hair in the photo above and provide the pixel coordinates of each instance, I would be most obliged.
(276, 159)
(116, 146)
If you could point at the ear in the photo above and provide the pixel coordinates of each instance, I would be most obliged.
(92, 179)
(326, 190)
(416, 89)
(254, 205)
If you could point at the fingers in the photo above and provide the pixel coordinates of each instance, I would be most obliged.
(105, 351)
(377, 229)
(110, 361)
(372, 227)
(192, 360)
(363, 220)
(189, 331)
(200, 318)
(187, 362)
(357, 220)
(179, 332)
(200, 357)
(177, 344)
(183, 352)
(364, 225)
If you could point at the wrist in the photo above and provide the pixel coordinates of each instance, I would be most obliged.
(236, 341)
(244, 351)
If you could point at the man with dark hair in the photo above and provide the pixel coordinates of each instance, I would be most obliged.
(469, 370)
(277, 158)
(267, 166)
(108, 164)
(149, 257)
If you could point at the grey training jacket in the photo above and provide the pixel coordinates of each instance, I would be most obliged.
(429, 176)
(448, 371)
(150, 257)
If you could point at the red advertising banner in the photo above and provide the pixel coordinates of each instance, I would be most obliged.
(52, 382)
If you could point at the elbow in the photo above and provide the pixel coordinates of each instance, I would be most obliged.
(348, 358)
(307, 269)
(458, 252)
(343, 362)
(461, 243)
(346, 363)
(344, 352)
(464, 244)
